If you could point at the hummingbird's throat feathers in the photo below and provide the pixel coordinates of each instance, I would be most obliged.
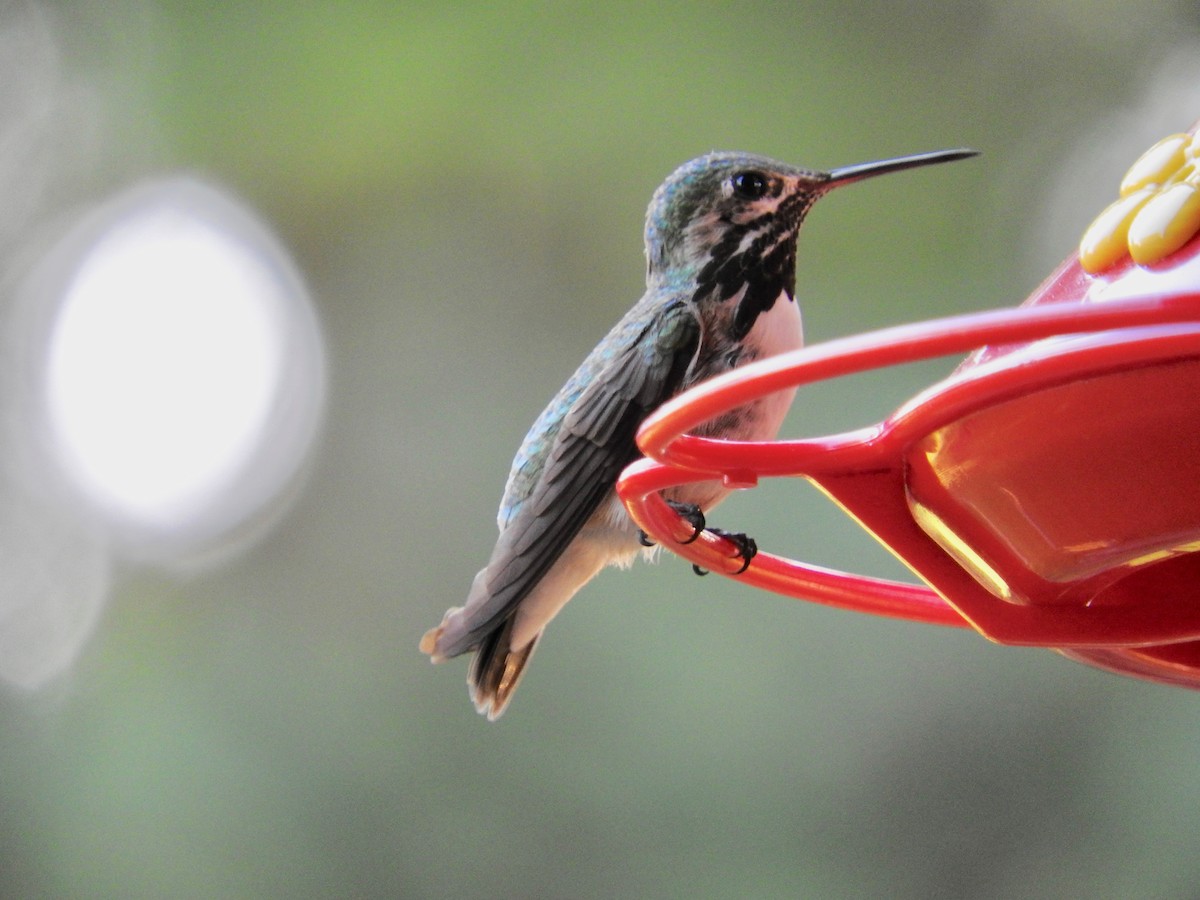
(742, 231)
(725, 344)
(753, 262)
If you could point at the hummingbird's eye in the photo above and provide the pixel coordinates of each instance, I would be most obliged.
(749, 185)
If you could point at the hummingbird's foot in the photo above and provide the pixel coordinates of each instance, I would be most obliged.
(692, 514)
(746, 545)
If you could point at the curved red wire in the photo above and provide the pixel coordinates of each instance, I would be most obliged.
(675, 457)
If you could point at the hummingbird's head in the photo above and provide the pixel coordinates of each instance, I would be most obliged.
(726, 213)
(728, 221)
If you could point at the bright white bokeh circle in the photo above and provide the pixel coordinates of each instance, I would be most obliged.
(183, 376)
(163, 363)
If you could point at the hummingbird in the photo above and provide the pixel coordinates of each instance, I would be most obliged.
(720, 241)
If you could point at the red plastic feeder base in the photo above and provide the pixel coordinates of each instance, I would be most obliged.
(1047, 493)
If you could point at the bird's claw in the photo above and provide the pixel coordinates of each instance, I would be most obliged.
(692, 514)
(747, 547)
(689, 512)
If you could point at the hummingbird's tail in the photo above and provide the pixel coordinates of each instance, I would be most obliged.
(497, 669)
(502, 626)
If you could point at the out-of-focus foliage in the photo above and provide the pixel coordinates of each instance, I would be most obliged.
(462, 185)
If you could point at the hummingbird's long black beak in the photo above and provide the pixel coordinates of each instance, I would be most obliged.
(851, 174)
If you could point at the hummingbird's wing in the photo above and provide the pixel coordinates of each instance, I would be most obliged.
(594, 443)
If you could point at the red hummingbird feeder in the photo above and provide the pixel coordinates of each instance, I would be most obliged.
(1047, 493)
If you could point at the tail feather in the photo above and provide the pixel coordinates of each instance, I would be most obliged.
(492, 633)
(497, 669)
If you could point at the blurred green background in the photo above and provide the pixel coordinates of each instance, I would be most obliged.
(463, 187)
